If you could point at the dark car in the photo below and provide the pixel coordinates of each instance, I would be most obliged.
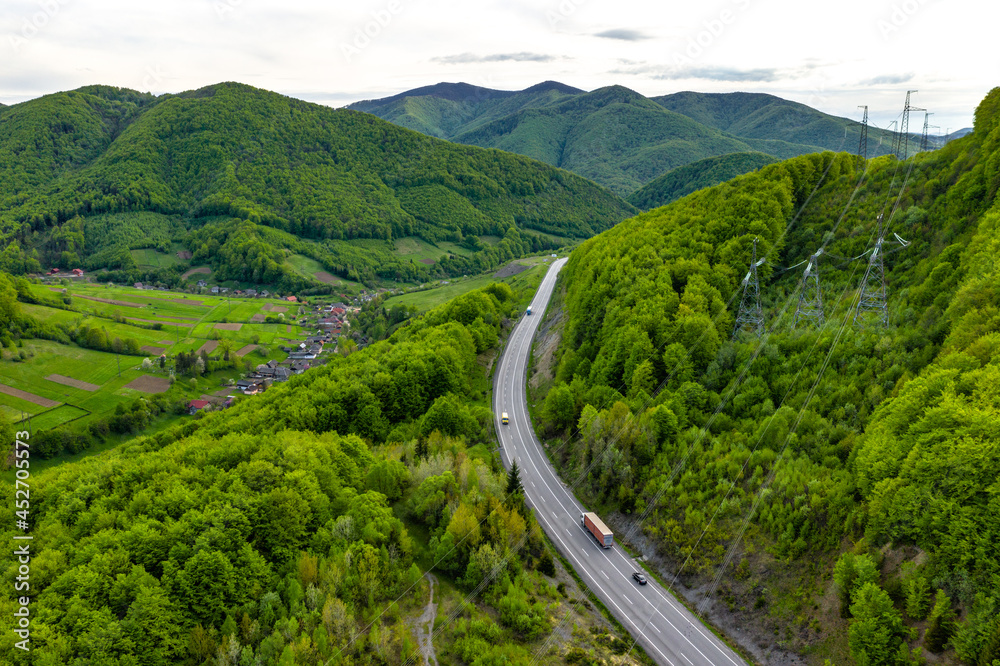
(639, 577)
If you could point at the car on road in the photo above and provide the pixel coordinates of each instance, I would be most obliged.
(639, 578)
(503, 418)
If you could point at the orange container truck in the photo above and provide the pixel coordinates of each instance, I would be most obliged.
(596, 526)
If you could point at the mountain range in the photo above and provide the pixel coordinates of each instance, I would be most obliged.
(233, 151)
(616, 136)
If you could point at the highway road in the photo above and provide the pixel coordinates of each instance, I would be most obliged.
(668, 632)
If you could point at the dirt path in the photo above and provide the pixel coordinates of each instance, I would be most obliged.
(425, 626)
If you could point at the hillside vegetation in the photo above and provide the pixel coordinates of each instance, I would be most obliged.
(445, 110)
(614, 135)
(860, 460)
(232, 151)
(764, 120)
(686, 179)
(293, 527)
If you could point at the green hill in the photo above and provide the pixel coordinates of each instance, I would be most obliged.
(865, 459)
(445, 110)
(758, 117)
(615, 136)
(231, 151)
(684, 180)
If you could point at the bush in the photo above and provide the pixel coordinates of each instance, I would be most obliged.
(546, 565)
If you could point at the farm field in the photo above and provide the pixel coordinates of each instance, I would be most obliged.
(155, 259)
(85, 365)
(418, 249)
(429, 298)
(309, 268)
(68, 374)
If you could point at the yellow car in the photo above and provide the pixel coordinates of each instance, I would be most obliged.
(503, 418)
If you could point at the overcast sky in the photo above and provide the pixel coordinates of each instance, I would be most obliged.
(830, 55)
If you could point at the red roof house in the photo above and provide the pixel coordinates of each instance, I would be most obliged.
(197, 405)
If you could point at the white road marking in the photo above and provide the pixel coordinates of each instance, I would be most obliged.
(686, 658)
(626, 599)
(605, 575)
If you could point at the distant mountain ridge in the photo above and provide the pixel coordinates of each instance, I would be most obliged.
(763, 117)
(616, 136)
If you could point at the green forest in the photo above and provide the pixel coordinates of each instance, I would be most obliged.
(81, 171)
(770, 468)
(281, 531)
(616, 136)
(686, 179)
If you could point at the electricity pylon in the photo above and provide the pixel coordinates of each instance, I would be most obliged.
(811, 297)
(749, 317)
(904, 126)
(872, 298)
(863, 141)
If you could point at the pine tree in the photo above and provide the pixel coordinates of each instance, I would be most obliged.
(990, 653)
(514, 480)
(941, 623)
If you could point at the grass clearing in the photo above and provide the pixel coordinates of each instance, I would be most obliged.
(426, 299)
(418, 249)
(305, 266)
(57, 416)
(155, 259)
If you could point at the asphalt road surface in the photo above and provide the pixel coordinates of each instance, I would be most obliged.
(668, 632)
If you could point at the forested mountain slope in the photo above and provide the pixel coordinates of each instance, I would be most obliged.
(445, 110)
(758, 117)
(684, 180)
(614, 136)
(281, 531)
(230, 150)
(875, 448)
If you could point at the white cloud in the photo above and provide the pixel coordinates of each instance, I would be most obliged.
(834, 56)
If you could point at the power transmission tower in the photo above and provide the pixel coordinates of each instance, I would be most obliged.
(893, 126)
(811, 297)
(923, 136)
(872, 298)
(863, 141)
(904, 126)
(749, 316)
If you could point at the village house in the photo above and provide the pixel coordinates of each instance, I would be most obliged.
(296, 367)
(250, 386)
(196, 406)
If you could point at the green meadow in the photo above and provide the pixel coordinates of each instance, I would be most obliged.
(187, 322)
(425, 299)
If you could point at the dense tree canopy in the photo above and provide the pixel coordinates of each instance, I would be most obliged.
(235, 151)
(884, 436)
(267, 532)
